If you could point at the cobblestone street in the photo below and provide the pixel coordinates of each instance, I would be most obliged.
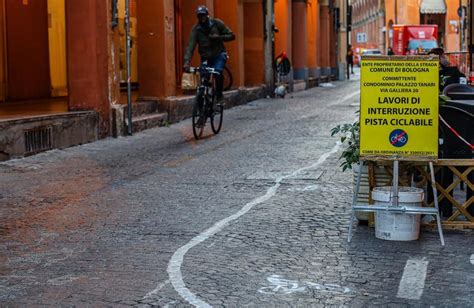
(255, 216)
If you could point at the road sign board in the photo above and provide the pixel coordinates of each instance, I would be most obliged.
(399, 107)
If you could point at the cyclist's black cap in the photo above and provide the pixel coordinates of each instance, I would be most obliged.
(202, 10)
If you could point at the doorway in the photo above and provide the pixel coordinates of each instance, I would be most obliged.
(436, 19)
(185, 19)
(123, 43)
(33, 57)
(27, 49)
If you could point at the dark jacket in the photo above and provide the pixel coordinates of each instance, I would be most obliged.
(350, 56)
(208, 48)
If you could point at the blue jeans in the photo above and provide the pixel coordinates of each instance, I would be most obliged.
(218, 63)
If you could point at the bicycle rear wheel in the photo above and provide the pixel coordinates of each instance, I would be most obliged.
(216, 119)
(228, 79)
(199, 117)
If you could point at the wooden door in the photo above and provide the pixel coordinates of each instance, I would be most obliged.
(27, 49)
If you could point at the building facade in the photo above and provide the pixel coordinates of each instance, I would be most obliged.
(368, 21)
(373, 21)
(307, 34)
(69, 56)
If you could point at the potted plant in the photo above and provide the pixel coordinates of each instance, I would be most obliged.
(349, 134)
(350, 139)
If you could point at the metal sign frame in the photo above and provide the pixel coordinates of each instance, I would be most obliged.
(395, 206)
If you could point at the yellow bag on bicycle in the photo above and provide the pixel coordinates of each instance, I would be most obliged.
(189, 81)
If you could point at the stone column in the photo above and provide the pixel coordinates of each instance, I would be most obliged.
(332, 44)
(312, 41)
(156, 54)
(92, 77)
(283, 39)
(283, 23)
(324, 39)
(300, 35)
(232, 13)
(255, 46)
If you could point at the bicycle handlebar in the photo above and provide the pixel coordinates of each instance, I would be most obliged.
(208, 70)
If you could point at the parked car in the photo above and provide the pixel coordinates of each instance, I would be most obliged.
(367, 52)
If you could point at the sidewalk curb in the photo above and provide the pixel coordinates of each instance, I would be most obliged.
(180, 108)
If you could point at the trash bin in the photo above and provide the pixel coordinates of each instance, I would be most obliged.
(461, 95)
(464, 104)
(458, 88)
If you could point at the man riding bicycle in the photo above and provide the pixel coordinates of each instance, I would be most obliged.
(210, 34)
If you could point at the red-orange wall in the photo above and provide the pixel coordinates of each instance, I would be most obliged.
(156, 41)
(283, 23)
(408, 12)
(452, 39)
(299, 38)
(88, 57)
(254, 44)
(188, 20)
(313, 29)
(324, 37)
(231, 12)
(2, 64)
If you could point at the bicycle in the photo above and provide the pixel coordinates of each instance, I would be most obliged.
(205, 100)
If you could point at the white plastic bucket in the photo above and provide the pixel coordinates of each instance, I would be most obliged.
(395, 226)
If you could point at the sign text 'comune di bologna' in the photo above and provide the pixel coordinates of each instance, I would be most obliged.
(399, 107)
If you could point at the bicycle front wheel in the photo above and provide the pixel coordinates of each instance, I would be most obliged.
(216, 119)
(199, 117)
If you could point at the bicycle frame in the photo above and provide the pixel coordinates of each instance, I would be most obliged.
(205, 98)
(205, 84)
(207, 77)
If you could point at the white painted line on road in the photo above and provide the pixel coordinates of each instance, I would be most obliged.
(155, 291)
(278, 285)
(174, 266)
(413, 279)
(472, 259)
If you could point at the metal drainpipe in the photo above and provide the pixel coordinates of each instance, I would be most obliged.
(129, 67)
(269, 17)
